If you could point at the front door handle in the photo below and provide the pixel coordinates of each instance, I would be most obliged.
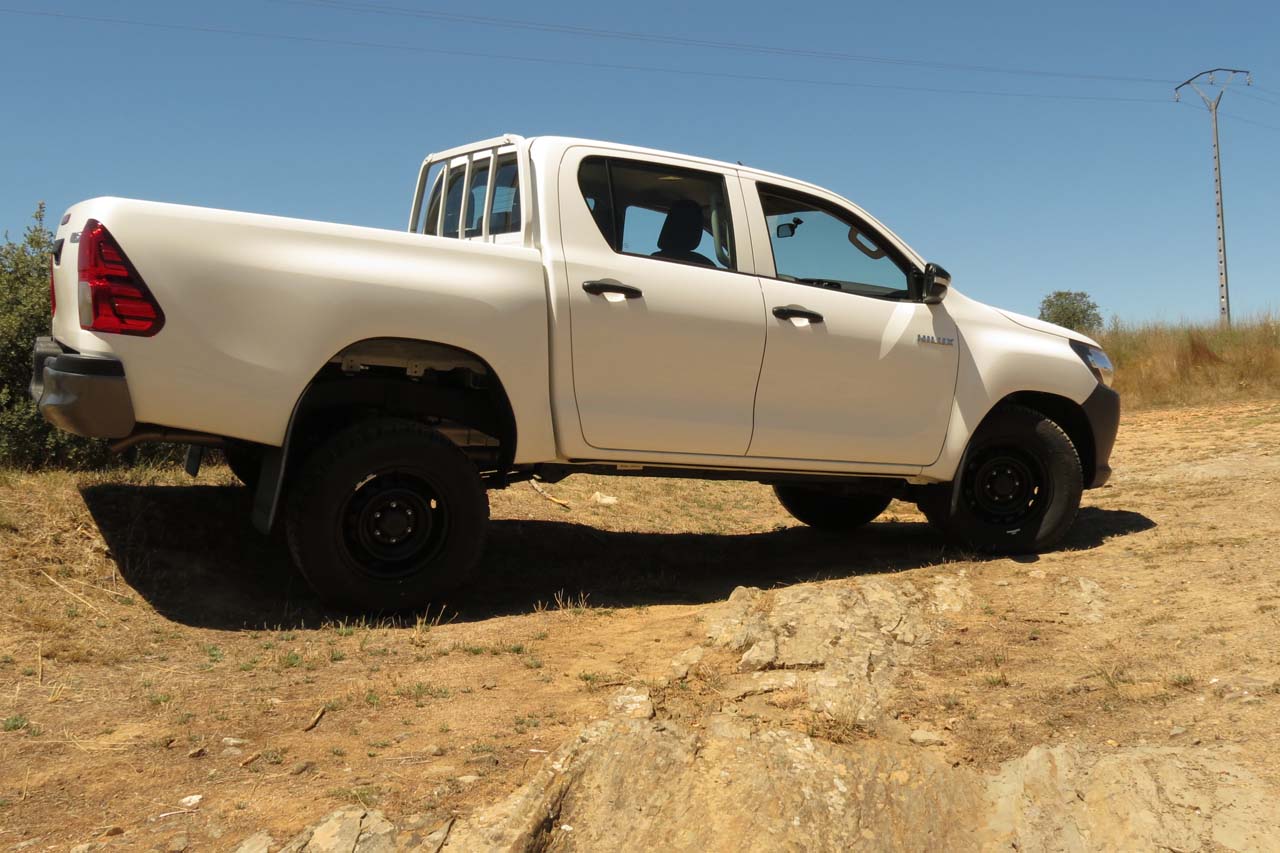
(793, 312)
(599, 288)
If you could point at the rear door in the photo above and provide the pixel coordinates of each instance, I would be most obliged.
(667, 317)
(856, 369)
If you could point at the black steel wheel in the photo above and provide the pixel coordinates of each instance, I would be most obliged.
(1019, 489)
(386, 515)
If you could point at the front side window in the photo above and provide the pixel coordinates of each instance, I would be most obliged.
(662, 212)
(816, 243)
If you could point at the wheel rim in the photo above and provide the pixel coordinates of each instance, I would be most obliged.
(1006, 486)
(392, 523)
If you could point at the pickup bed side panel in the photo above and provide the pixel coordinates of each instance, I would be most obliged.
(256, 305)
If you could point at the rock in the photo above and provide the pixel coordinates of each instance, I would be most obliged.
(403, 736)
(234, 741)
(179, 843)
(112, 831)
(232, 752)
(686, 660)
(191, 802)
(469, 779)
(301, 767)
(198, 752)
(602, 499)
(728, 788)
(843, 641)
(259, 842)
(1177, 730)
(488, 685)
(761, 655)
(84, 848)
(924, 737)
(632, 702)
(434, 749)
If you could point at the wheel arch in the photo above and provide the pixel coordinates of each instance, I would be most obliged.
(1067, 414)
(396, 377)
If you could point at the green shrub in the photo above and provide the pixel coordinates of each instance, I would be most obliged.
(26, 441)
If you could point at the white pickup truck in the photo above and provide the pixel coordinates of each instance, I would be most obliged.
(559, 306)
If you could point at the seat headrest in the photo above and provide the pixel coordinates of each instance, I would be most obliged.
(682, 232)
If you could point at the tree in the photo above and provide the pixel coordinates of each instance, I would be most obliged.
(26, 441)
(1071, 308)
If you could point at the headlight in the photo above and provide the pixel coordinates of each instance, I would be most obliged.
(1096, 360)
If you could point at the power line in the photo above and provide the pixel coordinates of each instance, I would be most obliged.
(1258, 97)
(757, 78)
(519, 24)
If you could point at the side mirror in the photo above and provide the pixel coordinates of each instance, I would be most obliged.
(936, 282)
(788, 229)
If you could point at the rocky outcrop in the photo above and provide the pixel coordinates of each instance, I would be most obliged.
(743, 773)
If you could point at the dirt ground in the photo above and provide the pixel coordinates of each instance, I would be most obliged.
(156, 648)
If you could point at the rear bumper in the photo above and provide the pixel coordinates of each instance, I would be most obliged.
(85, 395)
(1103, 411)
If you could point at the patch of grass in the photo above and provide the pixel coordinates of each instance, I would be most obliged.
(16, 723)
(214, 653)
(1182, 680)
(289, 660)
(372, 699)
(838, 729)
(160, 698)
(995, 679)
(365, 796)
(336, 655)
(273, 756)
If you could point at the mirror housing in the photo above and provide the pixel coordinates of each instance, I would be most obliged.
(936, 280)
(788, 229)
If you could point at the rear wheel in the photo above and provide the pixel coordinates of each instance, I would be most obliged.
(1019, 490)
(829, 510)
(245, 461)
(386, 515)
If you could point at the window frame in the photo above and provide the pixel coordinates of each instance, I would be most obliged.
(840, 211)
(617, 217)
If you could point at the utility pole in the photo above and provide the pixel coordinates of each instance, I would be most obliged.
(1224, 296)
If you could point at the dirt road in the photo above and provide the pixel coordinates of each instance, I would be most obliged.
(155, 648)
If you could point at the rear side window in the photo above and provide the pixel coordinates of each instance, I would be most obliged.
(661, 212)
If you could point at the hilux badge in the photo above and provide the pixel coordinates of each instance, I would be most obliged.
(930, 339)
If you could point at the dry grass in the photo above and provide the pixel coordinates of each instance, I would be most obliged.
(1161, 364)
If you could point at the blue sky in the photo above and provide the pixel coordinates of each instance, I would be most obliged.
(1016, 196)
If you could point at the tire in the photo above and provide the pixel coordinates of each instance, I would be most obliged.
(386, 515)
(830, 511)
(1019, 490)
(245, 461)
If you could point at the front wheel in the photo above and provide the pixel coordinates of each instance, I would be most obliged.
(386, 515)
(1019, 489)
(829, 510)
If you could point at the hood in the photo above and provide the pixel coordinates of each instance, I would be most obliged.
(1048, 328)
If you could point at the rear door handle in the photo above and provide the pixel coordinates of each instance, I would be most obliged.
(790, 312)
(599, 288)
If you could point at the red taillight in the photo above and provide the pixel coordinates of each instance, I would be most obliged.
(113, 297)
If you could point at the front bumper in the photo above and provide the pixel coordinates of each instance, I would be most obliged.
(1103, 412)
(85, 395)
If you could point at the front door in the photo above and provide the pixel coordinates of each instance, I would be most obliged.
(667, 334)
(856, 368)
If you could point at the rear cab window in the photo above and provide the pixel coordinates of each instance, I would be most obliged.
(457, 203)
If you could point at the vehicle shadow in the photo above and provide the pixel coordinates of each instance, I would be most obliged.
(191, 552)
